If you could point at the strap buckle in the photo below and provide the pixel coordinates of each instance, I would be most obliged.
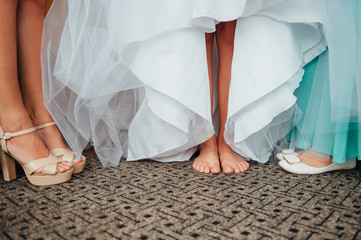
(7, 136)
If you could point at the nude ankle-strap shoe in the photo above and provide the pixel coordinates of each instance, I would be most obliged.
(49, 174)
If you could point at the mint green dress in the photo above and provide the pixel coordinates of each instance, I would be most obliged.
(329, 96)
(316, 130)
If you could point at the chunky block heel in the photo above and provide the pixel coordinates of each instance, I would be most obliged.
(8, 166)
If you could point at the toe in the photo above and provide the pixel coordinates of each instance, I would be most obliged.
(61, 169)
(215, 170)
(245, 165)
(77, 159)
(195, 166)
(68, 163)
(241, 167)
(237, 169)
(64, 167)
(214, 167)
(228, 169)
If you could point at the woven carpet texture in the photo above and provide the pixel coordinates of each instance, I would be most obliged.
(151, 200)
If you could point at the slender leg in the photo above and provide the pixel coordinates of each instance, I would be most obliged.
(29, 29)
(208, 160)
(30, 21)
(31, 15)
(230, 160)
(13, 114)
(10, 96)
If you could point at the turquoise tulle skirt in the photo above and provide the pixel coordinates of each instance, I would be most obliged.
(329, 94)
(315, 129)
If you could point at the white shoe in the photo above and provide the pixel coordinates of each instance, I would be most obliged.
(291, 163)
(284, 152)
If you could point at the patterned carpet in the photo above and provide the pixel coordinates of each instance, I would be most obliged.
(150, 200)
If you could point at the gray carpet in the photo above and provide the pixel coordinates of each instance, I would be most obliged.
(150, 200)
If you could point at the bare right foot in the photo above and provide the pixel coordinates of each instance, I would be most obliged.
(231, 162)
(208, 160)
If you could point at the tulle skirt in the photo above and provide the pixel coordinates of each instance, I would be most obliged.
(329, 96)
(316, 130)
(131, 77)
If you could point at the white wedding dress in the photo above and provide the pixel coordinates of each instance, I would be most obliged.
(130, 76)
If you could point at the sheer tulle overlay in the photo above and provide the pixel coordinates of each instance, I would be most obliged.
(131, 78)
(329, 96)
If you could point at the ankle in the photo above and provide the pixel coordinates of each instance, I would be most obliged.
(223, 147)
(39, 115)
(210, 144)
(221, 142)
(50, 135)
(16, 121)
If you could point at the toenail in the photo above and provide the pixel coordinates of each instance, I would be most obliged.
(70, 161)
(62, 167)
(77, 158)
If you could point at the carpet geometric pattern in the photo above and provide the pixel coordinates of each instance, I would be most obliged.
(151, 200)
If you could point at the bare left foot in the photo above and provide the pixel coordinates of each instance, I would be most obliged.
(231, 162)
(208, 161)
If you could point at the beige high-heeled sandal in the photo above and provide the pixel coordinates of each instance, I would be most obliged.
(49, 174)
(67, 154)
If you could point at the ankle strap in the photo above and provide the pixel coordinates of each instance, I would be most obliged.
(7, 136)
(45, 125)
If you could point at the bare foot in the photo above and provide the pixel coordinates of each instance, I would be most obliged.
(315, 159)
(28, 147)
(208, 161)
(231, 162)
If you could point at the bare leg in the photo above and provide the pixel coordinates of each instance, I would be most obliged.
(230, 161)
(208, 160)
(13, 115)
(30, 24)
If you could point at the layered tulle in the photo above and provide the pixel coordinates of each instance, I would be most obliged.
(329, 96)
(131, 77)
